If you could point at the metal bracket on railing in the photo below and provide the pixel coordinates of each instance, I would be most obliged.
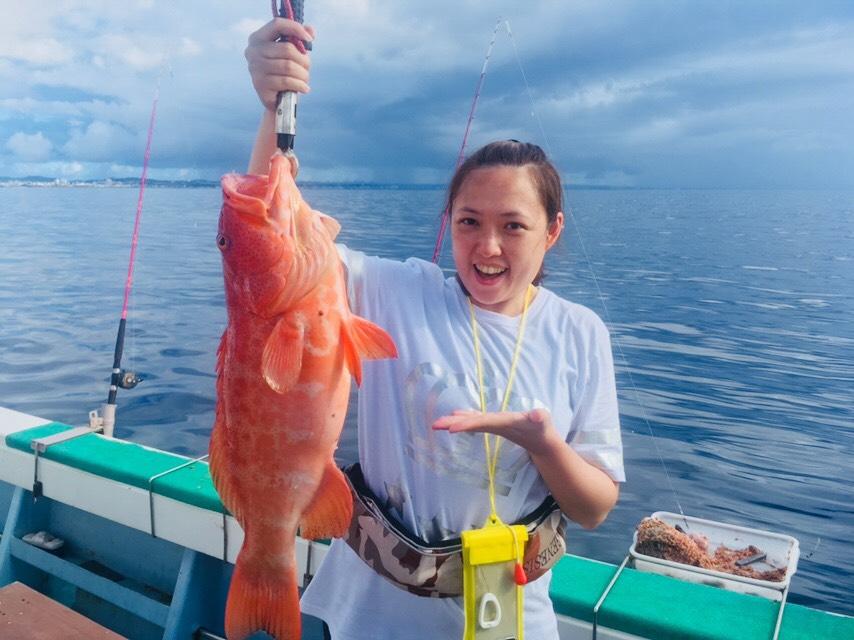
(224, 535)
(307, 576)
(605, 595)
(780, 613)
(157, 477)
(622, 566)
(41, 445)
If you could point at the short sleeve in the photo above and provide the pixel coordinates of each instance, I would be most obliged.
(595, 430)
(354, 269)
(373, 282)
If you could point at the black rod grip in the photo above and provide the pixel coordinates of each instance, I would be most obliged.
(115, 378)
(298, 6)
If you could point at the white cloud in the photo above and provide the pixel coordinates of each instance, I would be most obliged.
(32, 147)
(660, 129)
(44, 108)
(40, 51)
(246, 26)
(72, 168)
(114, 170)
(100, 141)
(602, 84)
(785, 55)
(48, 169)
(124, 49)
(602, 94)
(189, 47)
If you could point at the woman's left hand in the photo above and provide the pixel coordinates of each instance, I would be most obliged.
(532, 430)
(585, 493)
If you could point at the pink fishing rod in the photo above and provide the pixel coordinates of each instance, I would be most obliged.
(461, 156)
(121, 378)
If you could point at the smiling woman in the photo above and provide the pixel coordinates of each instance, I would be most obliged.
(505, 204)
(486, 352)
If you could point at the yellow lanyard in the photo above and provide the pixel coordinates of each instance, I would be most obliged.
(492, 456)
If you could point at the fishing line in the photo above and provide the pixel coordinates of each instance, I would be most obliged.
(527, 87)
(120, 378)
(596, 281)
(570, 214)
(132, 312)
(129, 293)
(139, 201)
(626, 363)
(461, 156)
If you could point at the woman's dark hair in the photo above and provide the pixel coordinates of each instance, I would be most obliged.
(512, 153)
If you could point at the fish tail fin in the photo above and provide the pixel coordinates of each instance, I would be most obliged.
(262, 605)
(330, 511)
(364, 339)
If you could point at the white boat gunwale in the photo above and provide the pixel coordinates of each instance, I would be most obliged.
(201, 530)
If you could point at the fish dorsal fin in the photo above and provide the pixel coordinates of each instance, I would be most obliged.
(281, 361)
(363, 339)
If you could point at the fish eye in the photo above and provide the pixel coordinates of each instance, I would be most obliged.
(221, 241)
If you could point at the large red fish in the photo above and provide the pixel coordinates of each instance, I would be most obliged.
(283, 368)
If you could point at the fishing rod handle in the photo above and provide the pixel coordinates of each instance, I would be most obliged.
(298, 7)
(286, 120)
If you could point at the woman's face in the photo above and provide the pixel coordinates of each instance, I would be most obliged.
(500, 235)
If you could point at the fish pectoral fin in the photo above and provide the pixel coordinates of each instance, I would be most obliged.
(363, 339)
(281, 361)
(331, 508)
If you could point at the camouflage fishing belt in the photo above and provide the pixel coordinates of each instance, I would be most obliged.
(436, 570)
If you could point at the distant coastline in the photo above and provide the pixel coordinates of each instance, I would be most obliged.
(116, 183)
(133, 183)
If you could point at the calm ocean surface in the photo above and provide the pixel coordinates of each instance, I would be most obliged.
(732, 314)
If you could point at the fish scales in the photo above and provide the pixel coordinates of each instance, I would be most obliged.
(284, 368)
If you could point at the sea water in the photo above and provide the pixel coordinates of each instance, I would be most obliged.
(730, 314)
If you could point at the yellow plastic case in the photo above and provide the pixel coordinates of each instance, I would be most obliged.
(491, 596)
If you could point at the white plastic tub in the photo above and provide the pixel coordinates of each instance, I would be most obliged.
(780, 550)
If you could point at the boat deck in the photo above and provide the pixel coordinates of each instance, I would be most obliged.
(26, 614)
(150, 555)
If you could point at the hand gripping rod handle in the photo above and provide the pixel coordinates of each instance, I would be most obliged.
(286, 105)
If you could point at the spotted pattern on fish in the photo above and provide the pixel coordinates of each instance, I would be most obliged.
(283, 380)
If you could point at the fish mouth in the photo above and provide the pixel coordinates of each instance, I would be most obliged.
(244, 197)
(266, 202)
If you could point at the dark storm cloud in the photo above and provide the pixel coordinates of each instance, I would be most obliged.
(674, 94)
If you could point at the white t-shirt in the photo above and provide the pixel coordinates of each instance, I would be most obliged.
(435, 482)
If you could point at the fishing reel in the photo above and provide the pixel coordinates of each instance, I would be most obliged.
(128, 379)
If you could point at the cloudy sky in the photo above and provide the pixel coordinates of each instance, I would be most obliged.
(642, 93)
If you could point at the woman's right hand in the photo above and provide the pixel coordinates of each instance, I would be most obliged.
(278, 66)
